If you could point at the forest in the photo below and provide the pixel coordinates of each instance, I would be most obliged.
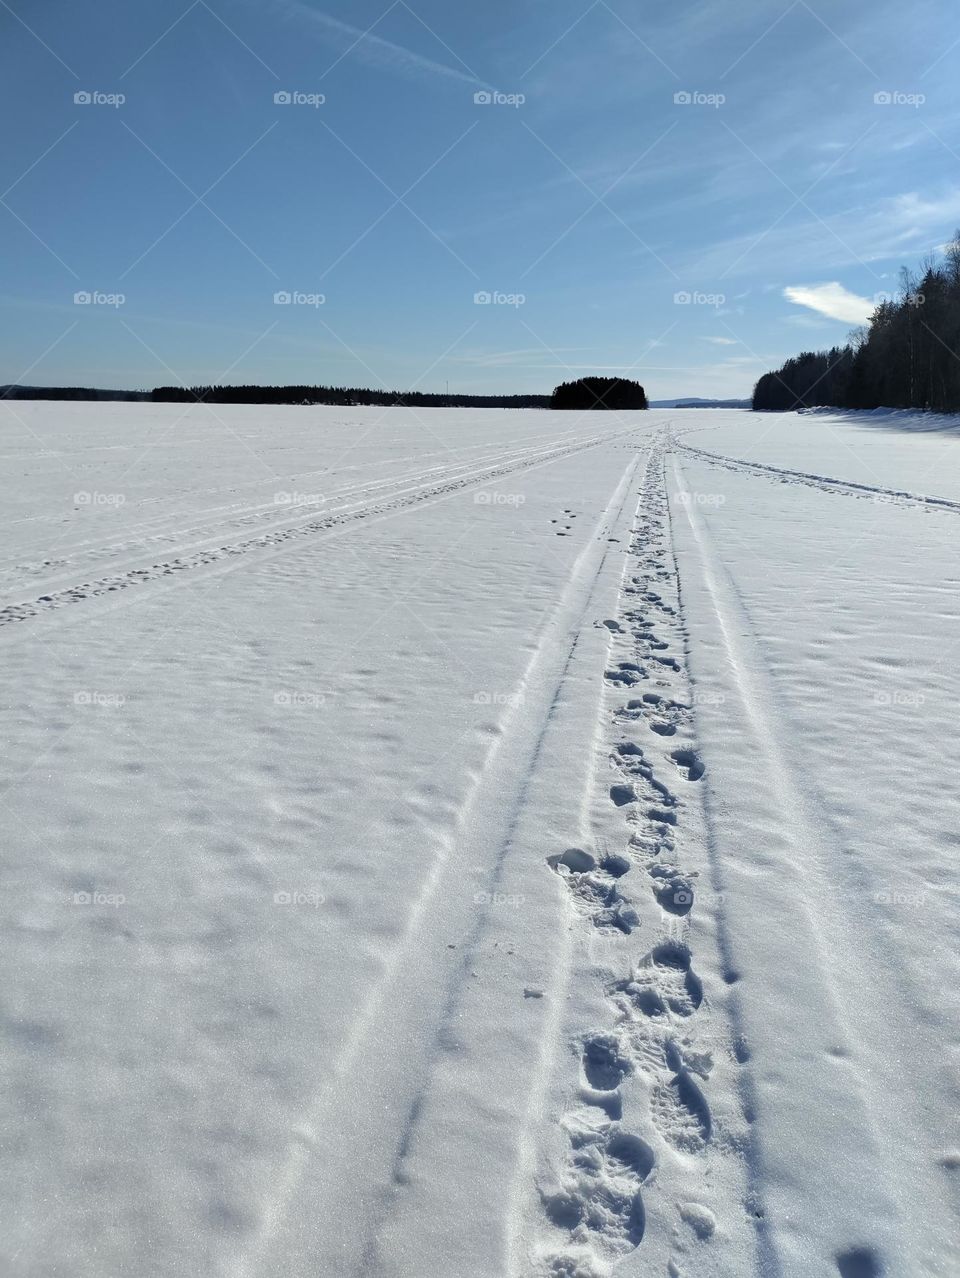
(343, 395)
(905, 357)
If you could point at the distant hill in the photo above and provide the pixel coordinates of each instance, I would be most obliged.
(700, 403)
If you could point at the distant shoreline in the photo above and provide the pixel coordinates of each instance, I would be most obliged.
(314, 395)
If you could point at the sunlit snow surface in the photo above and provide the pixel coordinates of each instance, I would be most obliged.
(304, 709)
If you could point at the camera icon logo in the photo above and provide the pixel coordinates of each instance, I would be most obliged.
(882, 98)
(282, 298)
(83, 298)
(682, 298)
(683, 98)
(483, 298)
(282, 98)
(82, 98)
(483, 98)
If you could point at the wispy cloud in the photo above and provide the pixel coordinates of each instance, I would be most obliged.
(720, 341)
(496, 359)
(373, 49)
(832, 300)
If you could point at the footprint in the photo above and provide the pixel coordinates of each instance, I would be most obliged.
(674, 893)
(604, 1065)
(594, 887)
(626, 674)
(615, 865)
(668, 967)
(679, 1108)
(631, 711)
(859, 1262)
(600, 1205)
(575, 859)
(691, 761)
(638, 996)
(662, 728)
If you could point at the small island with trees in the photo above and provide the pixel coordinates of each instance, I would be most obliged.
(617, 394)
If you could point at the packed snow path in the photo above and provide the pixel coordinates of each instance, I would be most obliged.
(491, 844)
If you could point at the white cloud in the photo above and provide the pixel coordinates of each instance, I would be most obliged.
(720, 341)
(832, 300)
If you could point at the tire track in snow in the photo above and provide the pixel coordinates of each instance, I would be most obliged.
(784, 881)
(824, 483)
(217, 523)
(483, 832)
(307, 526)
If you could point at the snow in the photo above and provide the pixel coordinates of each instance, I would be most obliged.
(478, 843)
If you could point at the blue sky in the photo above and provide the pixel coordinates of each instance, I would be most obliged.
(581, 196)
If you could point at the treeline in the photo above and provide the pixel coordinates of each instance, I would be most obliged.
(70, 392)
(340, 395)
(908, 355)
(586, 393)
(618, 394)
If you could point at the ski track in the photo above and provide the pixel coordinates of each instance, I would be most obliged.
(154, 530)
(499, 785)
(811, 944)
(824, 483)
(594, 1204)
(308, 525)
